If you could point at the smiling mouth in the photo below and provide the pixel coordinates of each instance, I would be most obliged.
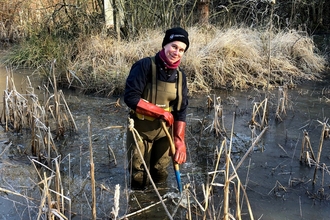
(173, 57)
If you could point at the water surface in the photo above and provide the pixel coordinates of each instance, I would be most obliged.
(278, 185)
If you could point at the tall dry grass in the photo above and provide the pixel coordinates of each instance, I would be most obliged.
(236, 58)
(102, 63)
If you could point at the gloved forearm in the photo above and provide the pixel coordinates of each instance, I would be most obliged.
(180, 146)
(146, 108)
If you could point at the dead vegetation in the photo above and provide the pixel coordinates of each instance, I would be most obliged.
(223, 194)
(236, 58)
(25, 111)
(46, 122)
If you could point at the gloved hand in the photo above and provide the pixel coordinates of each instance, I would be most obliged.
(179, 129)
(146, 108)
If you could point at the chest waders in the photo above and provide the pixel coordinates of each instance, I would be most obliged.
(155, 145)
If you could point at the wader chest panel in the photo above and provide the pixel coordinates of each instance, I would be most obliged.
(162, 92)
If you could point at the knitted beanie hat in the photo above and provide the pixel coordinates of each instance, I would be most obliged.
(176, 34)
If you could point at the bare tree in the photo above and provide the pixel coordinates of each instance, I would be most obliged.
(204, 11)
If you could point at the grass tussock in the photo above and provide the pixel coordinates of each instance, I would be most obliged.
(102, 63)
(39, 53)
(236, 58)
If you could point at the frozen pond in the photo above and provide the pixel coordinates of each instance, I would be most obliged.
(277, 184)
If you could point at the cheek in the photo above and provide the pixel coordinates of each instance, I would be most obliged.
(167, 50)
(179, 54)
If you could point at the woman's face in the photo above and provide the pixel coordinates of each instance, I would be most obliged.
(174, 50)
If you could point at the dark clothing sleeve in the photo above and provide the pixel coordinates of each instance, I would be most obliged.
(136, 82)
(140, 75)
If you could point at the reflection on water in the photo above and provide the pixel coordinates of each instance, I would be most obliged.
(278, 186)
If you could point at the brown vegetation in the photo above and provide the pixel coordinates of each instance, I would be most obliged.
(96, 59)
(236, 58)
(90, 59)
(233, 196)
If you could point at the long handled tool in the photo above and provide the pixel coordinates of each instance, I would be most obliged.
(175, 164)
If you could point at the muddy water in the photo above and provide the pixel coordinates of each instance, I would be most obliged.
(278, 186)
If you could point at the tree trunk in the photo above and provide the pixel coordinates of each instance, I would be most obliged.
(108, 14)
(203, 10)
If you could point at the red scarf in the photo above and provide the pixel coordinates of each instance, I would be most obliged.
(167, 63)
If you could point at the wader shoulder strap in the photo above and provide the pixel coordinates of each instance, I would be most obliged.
(179, 89)
(153, 79)
(154, 82)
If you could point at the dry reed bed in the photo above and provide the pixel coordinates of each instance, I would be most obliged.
(53, 202)
(234, 58)
(46, 123)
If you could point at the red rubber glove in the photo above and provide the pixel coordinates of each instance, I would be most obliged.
(180, 146)
(146, 108)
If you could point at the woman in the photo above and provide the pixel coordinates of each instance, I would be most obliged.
(156, 91)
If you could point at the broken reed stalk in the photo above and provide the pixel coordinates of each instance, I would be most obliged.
(226, 191)
(69, 111)
(218, 122)
(2, 113)
(281, 103)
(256, 111)
(34, 142)
(201, 132)
(58, 96)
(251, 148)
(209, 103)
(49, 198)
(115, 209)
(44, 198)
(246, 179)
(48, 145)
(58, 117)
(247, 201)
(206, 193)
(188, 203)
(56, 100)
(6, 103)
(239, 187)
(264, 115)
(14, 104)
(58, 187)
(6, 148)
(219, 153)
(306, 144)
(269, 47)
(57, 112)
(238, 207)
(110, 152)
(264, 119)
(92, 169)
(7, 191)
(324, 167)
(125, 217)
(227, 182)
(235, 175)
(209, 186)
(320, 151)
(137, 139)
(60, 203)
